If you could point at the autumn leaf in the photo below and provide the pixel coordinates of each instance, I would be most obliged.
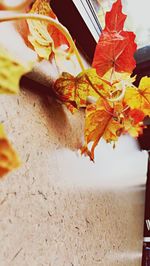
(116, 85)
(10, 72)
(101, 122)
(137, 115)
(139, 98)
(117, 77)
(133, 128)
(115, 19)
(45, 38)
(75, 90)
(38, 34)
(132, 121)
(8, 157)
(116, 48)
(115, 51)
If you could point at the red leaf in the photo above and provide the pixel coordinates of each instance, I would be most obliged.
(116, 47)
(137, 115)
(115, 19)
(58, 38)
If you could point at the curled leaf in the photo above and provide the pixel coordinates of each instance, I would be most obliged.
(38, 34)
(8, 158)
(44, 38)
(10, 72)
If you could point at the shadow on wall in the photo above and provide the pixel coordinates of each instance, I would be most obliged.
(68, 128)
(54, 210)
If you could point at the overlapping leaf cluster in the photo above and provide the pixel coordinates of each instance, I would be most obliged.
(114, 106)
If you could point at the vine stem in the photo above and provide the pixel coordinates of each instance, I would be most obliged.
(94, 88)
(19, 16)
(119, 98)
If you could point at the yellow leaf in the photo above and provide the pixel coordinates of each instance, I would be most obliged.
(139, 98)
(10, 72)
(101, 121)
(133, 129)
(44, 37)
(40, 39)
(115, 77)
(8, 158)
(116, 83)
(76, 90)
(39, 36)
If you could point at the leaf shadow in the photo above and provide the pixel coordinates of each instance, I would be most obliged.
(65, 129)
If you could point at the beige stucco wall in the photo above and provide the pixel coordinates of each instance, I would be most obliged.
(59, 209)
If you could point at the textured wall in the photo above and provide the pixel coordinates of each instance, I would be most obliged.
(59, 209)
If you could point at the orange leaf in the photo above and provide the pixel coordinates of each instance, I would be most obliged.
(116, 48)
(101, 121)
(8, 158)
(133, 122)
(137, 115)
(58, 38)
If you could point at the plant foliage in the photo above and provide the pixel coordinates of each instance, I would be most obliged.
(113, 104)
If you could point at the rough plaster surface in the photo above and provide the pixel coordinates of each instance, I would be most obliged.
(50, 214)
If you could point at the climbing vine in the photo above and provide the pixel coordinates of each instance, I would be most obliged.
(113, 104)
